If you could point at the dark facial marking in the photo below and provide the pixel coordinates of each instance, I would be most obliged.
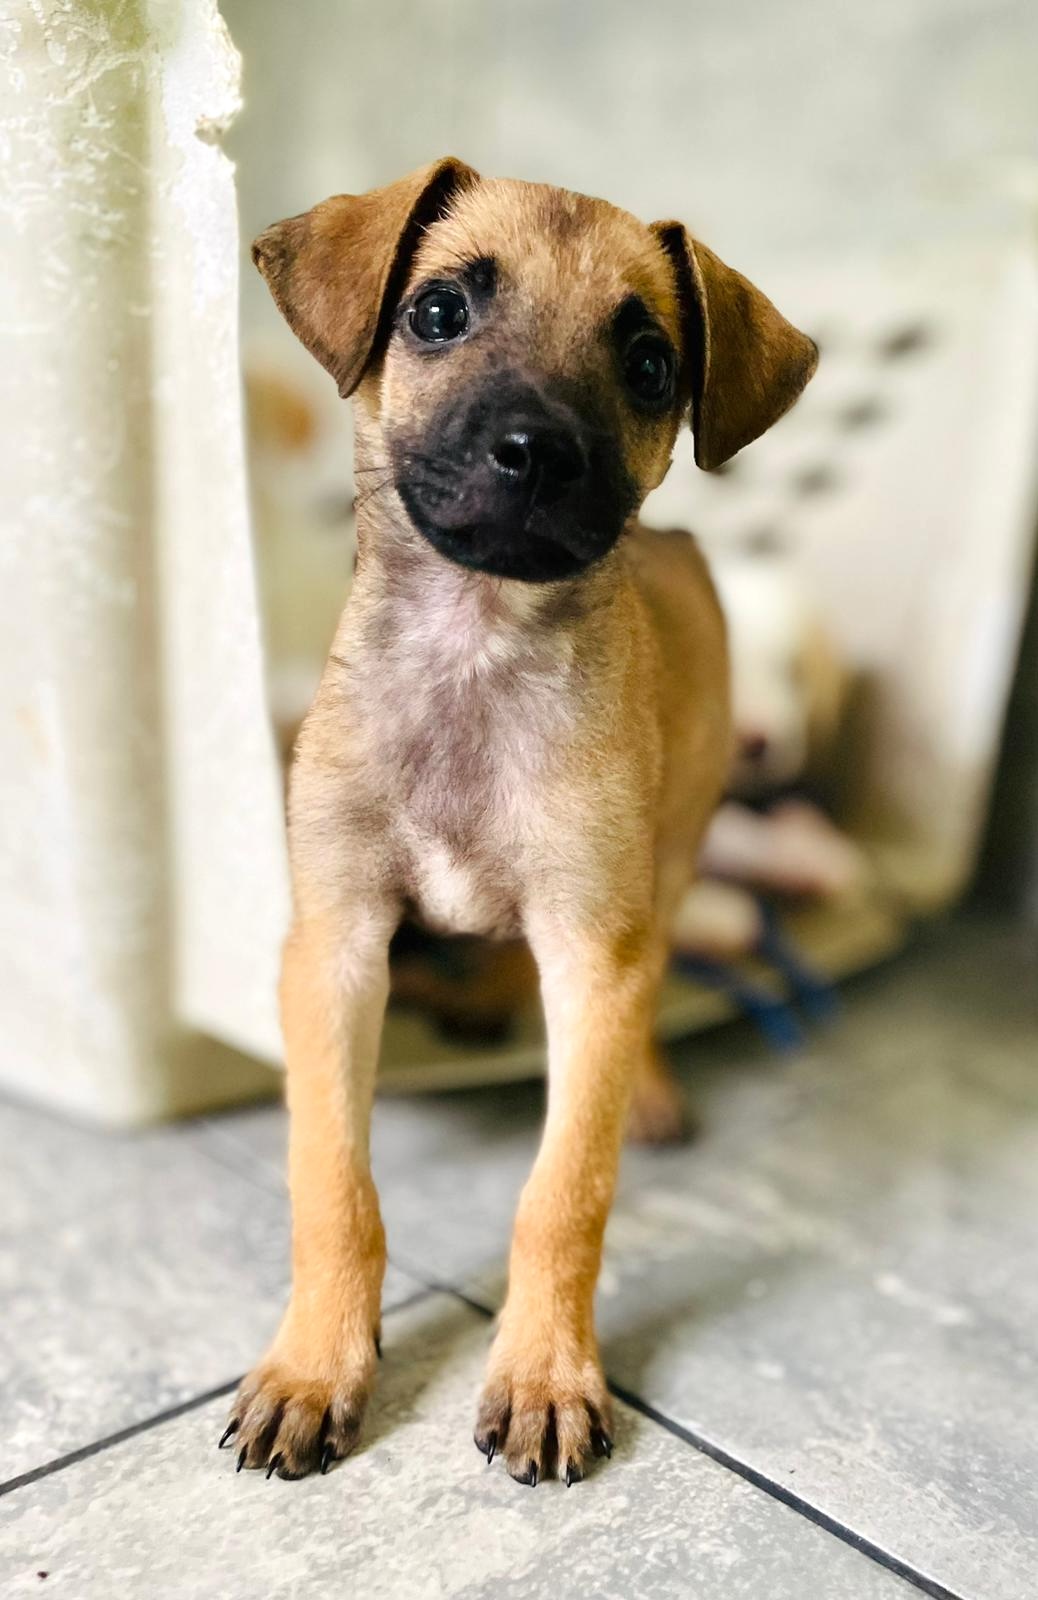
(480, 276)
(516, 482)
(632, 317)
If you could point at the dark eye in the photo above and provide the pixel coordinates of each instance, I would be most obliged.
(439, 315)
(649, 368)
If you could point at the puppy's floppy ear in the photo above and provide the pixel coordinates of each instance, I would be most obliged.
(747, 364)
(335, 271)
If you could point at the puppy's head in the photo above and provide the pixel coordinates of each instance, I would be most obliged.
(527, 356)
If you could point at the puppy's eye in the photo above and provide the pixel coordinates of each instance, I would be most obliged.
(649, 368)
(439, 315)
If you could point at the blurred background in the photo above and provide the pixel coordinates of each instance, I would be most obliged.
(837, 1278)
(178, 560)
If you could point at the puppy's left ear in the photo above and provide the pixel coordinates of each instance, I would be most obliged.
(335, 271)
(746, 363)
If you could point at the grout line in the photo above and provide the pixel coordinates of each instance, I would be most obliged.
(441, 1286)
(421, 1293)
(759, 1480)
(59, 1463)
(795, 1502)
(87, 1450)
(230, 1154)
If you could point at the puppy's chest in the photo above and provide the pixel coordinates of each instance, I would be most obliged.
(468, 759)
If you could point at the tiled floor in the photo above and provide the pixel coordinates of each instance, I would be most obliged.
(820, 1321)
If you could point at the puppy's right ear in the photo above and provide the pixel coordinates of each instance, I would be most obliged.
(334, 271)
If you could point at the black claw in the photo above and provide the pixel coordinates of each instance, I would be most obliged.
(491, 1447)
(573, 1474)
(488, 1446)
(231, 1428)
(241, 1458)
(530, 1475)
(378, 1345)
(327, 1457)
(272, 1465)
(601, 1442)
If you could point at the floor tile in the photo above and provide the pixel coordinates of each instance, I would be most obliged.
(836, 1283)
(839, 1287)
(415, 1513)
(134, 1273)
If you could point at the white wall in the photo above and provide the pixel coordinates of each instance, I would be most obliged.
(776, 126)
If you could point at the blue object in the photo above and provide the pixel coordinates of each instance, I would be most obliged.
(775, 1018)
(810, 990)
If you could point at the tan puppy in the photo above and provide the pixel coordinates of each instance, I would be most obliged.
(523, 727)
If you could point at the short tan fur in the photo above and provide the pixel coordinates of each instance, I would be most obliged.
(497, 756)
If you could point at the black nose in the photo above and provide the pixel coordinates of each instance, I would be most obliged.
(542, 460)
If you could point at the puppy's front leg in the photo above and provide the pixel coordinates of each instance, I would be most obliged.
(545, 1404)
(301, 1408)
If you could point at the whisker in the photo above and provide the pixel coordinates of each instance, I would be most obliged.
(371, 490)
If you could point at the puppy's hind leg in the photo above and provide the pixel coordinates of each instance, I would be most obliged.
(302, 1406)
(545, 1405)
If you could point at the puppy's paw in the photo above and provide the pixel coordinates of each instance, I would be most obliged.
(292, 1417)
(547, 1417)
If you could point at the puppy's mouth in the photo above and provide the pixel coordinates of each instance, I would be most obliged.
(534, 547)
(509, 518)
